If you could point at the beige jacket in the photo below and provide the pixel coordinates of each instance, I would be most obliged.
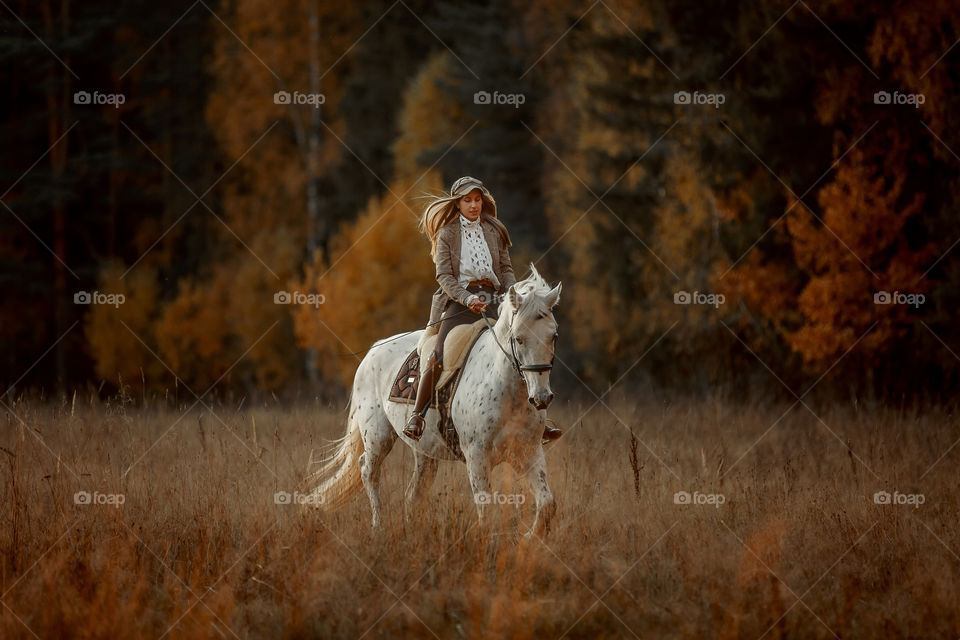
(448, 265)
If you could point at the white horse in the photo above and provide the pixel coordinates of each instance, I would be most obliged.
(498, 410)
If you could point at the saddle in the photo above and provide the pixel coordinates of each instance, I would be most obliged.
(456, 348)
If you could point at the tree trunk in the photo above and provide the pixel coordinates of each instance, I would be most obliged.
(58, 101)
(316, 228)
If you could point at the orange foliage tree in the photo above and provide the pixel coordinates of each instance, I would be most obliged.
(858, 249)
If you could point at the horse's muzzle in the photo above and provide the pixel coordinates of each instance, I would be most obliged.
(541, 400)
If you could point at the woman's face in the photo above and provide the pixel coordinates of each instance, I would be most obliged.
(471, 205)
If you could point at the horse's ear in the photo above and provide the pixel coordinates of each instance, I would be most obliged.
(553, 297)
(515, 299)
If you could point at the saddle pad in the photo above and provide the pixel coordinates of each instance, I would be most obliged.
(404, 388)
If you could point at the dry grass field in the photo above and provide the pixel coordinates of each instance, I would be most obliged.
(199, 548)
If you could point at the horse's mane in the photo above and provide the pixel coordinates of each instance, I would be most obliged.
(533, 289)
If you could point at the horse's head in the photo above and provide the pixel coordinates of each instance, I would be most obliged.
(532, 332)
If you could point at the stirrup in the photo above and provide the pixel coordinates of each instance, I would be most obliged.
(414, 427)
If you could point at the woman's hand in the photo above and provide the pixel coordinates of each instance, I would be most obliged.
(477, 305)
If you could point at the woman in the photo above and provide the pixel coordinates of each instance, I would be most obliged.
(469, 246)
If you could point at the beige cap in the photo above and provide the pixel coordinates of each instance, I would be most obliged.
(465, 185)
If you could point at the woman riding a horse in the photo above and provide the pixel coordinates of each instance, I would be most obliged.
(470, 247)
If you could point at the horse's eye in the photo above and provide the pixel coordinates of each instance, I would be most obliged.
(519, 340)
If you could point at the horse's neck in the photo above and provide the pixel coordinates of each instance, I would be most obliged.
(503, 371)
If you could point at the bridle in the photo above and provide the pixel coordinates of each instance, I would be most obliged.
(513, 357)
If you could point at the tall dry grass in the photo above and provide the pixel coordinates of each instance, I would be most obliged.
(200, 549)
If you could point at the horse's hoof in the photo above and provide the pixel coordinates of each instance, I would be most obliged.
(550, 431)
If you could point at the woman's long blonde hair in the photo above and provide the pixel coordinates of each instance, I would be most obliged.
(442, 210)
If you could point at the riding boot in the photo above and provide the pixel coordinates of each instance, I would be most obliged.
(428, 380)
(550, 431)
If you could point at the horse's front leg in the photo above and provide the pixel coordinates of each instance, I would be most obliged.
(546, 507)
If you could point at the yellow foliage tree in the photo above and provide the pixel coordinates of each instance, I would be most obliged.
(117, 335)
(624, 254)
(190, 334)
(428, 118)
(230, 315)
(224, 318)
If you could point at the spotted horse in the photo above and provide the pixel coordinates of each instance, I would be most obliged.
(498, 409)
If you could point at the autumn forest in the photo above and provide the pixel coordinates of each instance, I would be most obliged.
(750, 196)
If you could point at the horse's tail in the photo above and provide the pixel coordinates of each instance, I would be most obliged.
(338, 477)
